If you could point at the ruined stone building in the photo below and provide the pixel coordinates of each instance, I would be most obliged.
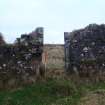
(22, 60)
(85, 49)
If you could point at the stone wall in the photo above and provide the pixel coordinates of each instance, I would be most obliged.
(21, 62)
(85, 50)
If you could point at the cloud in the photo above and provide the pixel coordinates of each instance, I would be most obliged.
(53, 37)
(57, 16)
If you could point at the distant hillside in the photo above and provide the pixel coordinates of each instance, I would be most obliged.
(55, 56)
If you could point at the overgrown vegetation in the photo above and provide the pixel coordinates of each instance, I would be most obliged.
(49, 92)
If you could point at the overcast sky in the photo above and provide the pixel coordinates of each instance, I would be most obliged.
(56, 16)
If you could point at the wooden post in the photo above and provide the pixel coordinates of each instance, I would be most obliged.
(44, 61)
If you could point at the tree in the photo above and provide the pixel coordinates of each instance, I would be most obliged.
(2, 41)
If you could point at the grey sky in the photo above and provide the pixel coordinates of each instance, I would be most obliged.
(56, 16)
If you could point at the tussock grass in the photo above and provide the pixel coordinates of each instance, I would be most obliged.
(49, 92)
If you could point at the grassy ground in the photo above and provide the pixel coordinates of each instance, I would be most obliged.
(49, 92)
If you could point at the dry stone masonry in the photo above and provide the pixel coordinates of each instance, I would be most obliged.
(21, 61)
(85, 50)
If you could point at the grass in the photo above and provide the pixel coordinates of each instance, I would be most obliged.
(49, 92)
